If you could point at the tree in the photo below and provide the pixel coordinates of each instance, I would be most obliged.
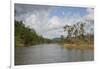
(75, 30)
(81, 30)
(75, 33)
(62, 37)
(25, 36)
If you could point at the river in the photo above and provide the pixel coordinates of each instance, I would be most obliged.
(50, 53)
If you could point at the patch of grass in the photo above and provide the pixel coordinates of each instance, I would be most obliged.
(79, 46)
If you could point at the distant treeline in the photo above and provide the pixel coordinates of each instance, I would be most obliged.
(24, 36)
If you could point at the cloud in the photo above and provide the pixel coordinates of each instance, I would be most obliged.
(34, 16)
(89, 19)
(90, 14)
(55, 22)
(27, 8)
(38, 21)
(38, 17)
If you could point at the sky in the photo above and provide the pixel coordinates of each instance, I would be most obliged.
(49, 21)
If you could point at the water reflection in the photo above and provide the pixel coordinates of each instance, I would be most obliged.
(50, 53)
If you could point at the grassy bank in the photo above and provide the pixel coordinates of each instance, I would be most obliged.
(78, 46)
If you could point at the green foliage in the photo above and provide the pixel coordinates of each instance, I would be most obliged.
(75, 30)
(25, 36)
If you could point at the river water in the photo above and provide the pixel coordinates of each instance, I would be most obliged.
(50, 53)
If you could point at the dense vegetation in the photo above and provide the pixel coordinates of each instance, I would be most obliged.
(76, 34)
(25, 36)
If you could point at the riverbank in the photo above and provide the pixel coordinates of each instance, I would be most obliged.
(79, 46)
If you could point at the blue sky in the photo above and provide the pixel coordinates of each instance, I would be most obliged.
(58, 11)
(48, 21)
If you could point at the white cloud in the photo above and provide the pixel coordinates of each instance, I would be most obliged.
(51, 27)
(30, 21)
(90, 14)
(55, 21)
(38, 21)
(89, 19)
(53, 33)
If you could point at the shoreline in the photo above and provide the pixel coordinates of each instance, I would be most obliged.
(79, 46)
(71, 46)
